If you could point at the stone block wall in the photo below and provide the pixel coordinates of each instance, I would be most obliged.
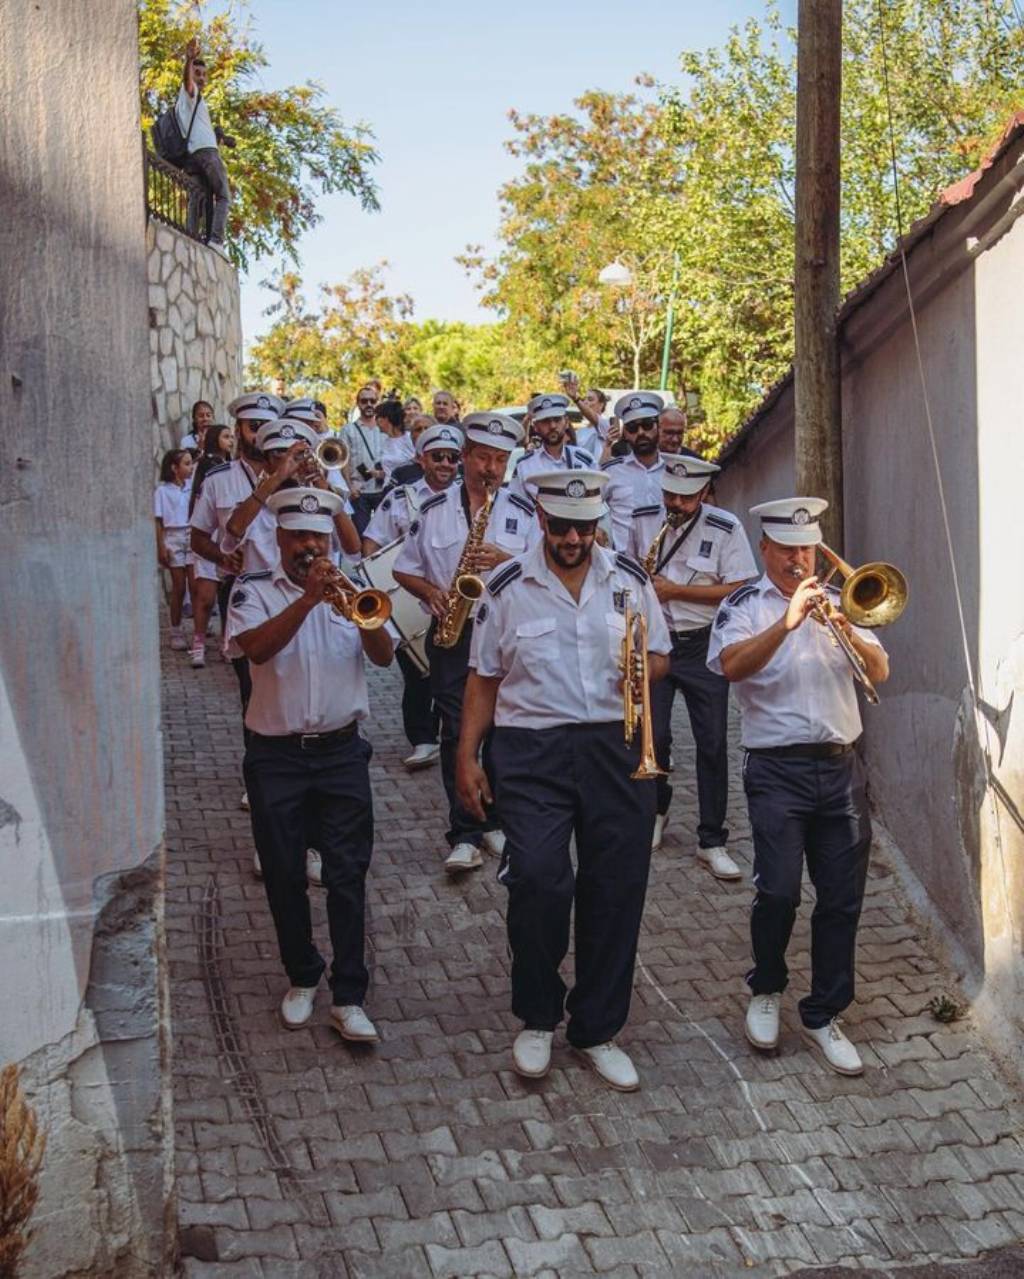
(195, 332)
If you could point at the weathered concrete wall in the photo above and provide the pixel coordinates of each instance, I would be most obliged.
(195, 331)
(80, 768)
(963, 838)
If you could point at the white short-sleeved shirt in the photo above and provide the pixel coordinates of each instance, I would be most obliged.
(588, 438)
(571, 458)
(170, 504)
(393, 516)
(630, 484)
(202, 134)
(436, 537)
(807, 692)
(366, 447)
(715, 550)
(558, 661)
(317, 682)
(396, 451)
(224, 487)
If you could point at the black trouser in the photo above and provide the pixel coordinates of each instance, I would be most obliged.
(322, 795)
(707, 702)
(448, 669)
(551, 782)
(206, 164)
(419, 715)
(815, 808)
(240, 665)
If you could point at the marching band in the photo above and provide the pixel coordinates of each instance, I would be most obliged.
(545, 603)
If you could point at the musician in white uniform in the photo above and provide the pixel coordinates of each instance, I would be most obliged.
(545, 671)
(549, 417)
(438, 450)
(699, 561)
(634, 480)
(427, 566)
(803, 779)
(306, 766)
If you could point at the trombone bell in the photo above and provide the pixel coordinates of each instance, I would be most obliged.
(872, 595)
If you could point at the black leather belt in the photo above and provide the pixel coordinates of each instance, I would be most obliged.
(313, 741)
(680, 637)
(805, 750)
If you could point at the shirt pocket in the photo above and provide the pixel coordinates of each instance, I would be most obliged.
(537, 638)
(443, 538)
(703, 569)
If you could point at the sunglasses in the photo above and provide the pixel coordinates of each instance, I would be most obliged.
(645, 424)
(366, 404)
(442, 455)
(559, 526)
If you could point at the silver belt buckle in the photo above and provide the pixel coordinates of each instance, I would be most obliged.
(308, 737)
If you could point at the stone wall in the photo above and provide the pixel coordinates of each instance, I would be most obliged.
(195, 332)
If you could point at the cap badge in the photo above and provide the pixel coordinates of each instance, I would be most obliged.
(263, 402)
(546, 402)
(445, 434)
(309, 504)
(494, 427)
(636, 402)
(576, 489)
(801, 516)
(287, 432)
(677, 468)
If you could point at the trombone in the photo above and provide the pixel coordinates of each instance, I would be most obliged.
(872, 595)
(367, 609)
(636, 694)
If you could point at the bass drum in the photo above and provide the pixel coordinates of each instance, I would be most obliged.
(408, 616)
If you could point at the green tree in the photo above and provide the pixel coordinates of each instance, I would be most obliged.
(291, 147)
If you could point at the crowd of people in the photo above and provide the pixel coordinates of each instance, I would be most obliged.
(547, 580)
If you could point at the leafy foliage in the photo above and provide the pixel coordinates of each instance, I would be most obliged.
(291, 147)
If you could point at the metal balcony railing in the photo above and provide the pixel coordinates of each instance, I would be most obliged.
(175, 197)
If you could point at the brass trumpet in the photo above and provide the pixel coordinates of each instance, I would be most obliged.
(331, 452)
(636, 694)
(368, 609)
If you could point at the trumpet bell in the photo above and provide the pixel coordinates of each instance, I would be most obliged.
(370, 609)
(331, 452)
(874, 594)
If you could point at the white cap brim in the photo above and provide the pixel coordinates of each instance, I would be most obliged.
(796, 535)
(302, 520)
(687, 485)
(573, 508)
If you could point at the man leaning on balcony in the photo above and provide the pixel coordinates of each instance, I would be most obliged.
(204, 160)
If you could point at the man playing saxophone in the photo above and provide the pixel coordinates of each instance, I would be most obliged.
(546, 671)
(697, 554)
(466, 531)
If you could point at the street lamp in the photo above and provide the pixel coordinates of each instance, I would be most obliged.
(618, 276)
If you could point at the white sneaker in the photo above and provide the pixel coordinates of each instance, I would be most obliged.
(314, 867)
(198, 657)
(422, 756)
(613, 1065)
(837, 1050)
(257, 866)
(463, 857)
(495, 841)
(660, 822)
(719, 863)
(244, 801)
(352, 1023)
(178, 642)
(297, 1007)
(531, 1053)
(762, 1024)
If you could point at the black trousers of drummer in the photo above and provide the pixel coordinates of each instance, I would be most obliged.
(318, 793)
(420, 719)
(809, 806)
(707, 702)
(448, 670)
(551, 783)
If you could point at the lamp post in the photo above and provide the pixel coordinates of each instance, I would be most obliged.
(617, 275)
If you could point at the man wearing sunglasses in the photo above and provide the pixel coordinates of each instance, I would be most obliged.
(634, 480)
(365, 442)
(545, 671)
(549, 417)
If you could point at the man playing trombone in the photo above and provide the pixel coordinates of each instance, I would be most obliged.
(546, 671)
(804, 783)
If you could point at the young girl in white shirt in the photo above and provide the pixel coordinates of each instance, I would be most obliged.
(170, 511)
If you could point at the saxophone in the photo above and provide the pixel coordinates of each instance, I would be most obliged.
(466, 586)
(672, 520)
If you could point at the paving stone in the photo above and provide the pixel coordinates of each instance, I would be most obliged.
(489, 1259)
(557, 1255)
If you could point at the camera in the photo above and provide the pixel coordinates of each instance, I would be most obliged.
(364, 471)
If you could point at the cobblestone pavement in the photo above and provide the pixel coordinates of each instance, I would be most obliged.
(301, 1156)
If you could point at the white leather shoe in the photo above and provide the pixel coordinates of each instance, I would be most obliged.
(762, 1024)
(297, 1007)
(257, 866)
(422, 756)
(719, 863)
(833, 1045)
(495, 841)
(613, 1065)
(244, 801)
(463, 857)
(531, 1053)
(352, 1023)
(314, 867)
(660, 822)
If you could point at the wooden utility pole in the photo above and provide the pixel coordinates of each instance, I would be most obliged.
(819, 442)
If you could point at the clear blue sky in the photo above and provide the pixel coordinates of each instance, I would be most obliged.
(435, 82)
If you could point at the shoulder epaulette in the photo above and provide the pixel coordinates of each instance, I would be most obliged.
(612, 461)
(630, 565)
(503, 577)
(252, 577)
(523, 503)
(580, 452)
(741, 593)
(719, 521)
(216, 470)
(653, 509)
(431, 502)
